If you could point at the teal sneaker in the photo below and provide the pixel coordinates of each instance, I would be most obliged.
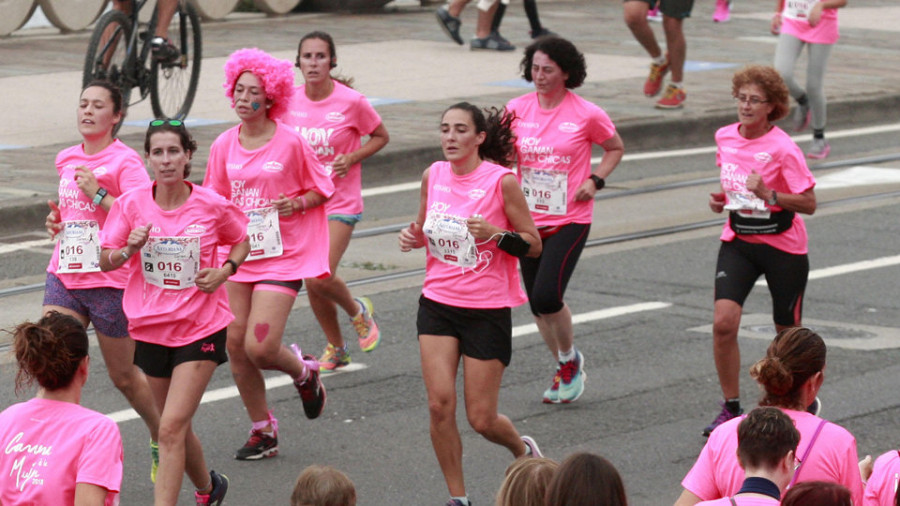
(571, 379)
(551, 395)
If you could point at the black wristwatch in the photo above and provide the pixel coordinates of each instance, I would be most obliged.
(233, 264)
(774, 200)
(98, 197)
(599, 182)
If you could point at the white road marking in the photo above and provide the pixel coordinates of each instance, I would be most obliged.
(39, 243)
(837, 270)
(221, 394)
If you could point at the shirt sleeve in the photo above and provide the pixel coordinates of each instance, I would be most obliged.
(795, 171)
(116, 229)
(100, 463)
(368, 119)
(216, 177)
(601, 126)
(232, 224)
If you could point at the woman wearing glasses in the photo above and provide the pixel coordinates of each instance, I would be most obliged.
(790, 376)
(265, 168)
(177, 310)
(766, 185)
(92, 175)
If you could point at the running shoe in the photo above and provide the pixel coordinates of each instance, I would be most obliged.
(215, 497)
(654, 15)
(449, 24)
(673, 98)
(532, 445)
(723, 11)
(259, 446)
(366, 328)
(800, 117)
(333, 358)
(654, 80)
(311, 390)
(819, 149)
(571, 379)
(543, 32)
(494, 41)
(154, 456)
(816, 407)
(457, 502)
(551, 395)
(164, 51)
(723, 417)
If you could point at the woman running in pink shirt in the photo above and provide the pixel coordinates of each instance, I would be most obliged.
(882, 485)
(265, 168)
(176, 306)
(555, 131)
(92, 175)
(333, 117)
(55, 451)
(790, 375)
(766, 186)
(475, 223)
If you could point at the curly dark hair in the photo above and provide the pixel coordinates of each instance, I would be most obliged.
(563, 53)
(49, 351)
(499, 144)
(771, 83)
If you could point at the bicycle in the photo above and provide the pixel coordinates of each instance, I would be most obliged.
(119, 51)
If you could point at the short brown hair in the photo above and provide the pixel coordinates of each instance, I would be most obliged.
(323, 486)
(772, 85)
(820, 493)
(526, 482)
(585, 479)
(765, 437)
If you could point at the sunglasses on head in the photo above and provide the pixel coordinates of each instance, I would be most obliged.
(170, 122)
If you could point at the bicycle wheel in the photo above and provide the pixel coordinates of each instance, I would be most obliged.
(173, 85)
(107, 54)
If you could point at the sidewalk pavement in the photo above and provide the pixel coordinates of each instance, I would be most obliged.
(411, 72)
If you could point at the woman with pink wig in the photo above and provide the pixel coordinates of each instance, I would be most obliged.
(271, 174)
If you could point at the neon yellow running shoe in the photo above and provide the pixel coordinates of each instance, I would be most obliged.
(154, 454)
(365, 325)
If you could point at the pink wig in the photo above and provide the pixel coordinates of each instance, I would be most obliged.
(277, 77)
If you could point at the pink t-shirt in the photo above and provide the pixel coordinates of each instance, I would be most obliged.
(252, 179)
(118, 169)
(492, 281)
(49, 446)
(881, 489)
(171, 317)
(794, 22)
(334, 126)
(780, 162)
(742, 500)
(560, 140)
(833, 458)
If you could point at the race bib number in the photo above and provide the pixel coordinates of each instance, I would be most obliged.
(798, 9)
(79, 247)
(748, 204)
(264, 232)
(171, 262)
(545, 190)
(449, 240)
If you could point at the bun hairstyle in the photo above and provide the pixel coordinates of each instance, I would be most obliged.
(49, 351)
(795, 355)
(499, 144)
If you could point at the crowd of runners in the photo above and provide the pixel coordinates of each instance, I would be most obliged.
(503, 219)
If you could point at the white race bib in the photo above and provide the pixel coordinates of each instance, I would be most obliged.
(798, 9)
(449, 240)
(748, 204)
(79, 247)
(264, 232)
(545, 190)
(171, 262)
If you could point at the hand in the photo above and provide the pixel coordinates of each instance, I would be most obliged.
(411, 237)
(138, 237)
(210, 279)
(86, 181)
(815, 14)
(284, 205)
(341, 165)
(865, 467)
(756, 185)
(717, 202)
(586, 191)
(776, 24)
(479, 228)
(52, 223)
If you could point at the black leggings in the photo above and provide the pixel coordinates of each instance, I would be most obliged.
(741, 263)
(547, 276)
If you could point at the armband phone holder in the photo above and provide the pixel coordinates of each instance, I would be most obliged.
(513, 244)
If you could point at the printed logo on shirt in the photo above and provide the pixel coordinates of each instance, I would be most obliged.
(194, 229)
(319, 139)
(334, 117)
(440, 207)
(729, 149)
(568, 127)
(234, 166)
(99, 171)
(527, 124)
(299, 114)
(476, 194)
(273, 166)
(27, 473)
(442, 188)
(763, 157)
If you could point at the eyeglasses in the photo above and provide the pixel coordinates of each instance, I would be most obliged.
(170, 122)
(750, 100)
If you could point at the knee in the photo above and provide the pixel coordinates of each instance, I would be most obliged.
(172, 432)
(543, 302)
(725, 326)
(440, 410)
(481, 422)
(263, 357)
(634, 19)
(124, 378)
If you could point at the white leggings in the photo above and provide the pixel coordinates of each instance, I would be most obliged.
(786, 54)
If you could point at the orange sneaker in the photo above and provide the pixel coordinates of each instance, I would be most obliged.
(654, 81)
(673, 98)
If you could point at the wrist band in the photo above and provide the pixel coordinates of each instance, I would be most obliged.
(233, 264)
(98, 197)
(125, 255)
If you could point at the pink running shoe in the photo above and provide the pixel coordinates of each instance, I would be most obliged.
(723, 11)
